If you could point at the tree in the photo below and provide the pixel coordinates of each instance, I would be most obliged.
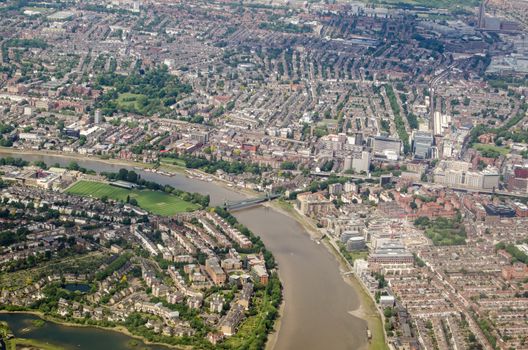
(122, 174)
(288, 166)
(132, 176)
(73, 166)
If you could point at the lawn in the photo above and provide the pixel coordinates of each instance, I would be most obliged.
(491, 150)
(128, 101)
(156, 202)
(173, 161)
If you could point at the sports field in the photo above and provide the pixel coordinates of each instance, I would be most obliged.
(156, 202)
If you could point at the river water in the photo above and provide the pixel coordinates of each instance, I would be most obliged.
(317, 300)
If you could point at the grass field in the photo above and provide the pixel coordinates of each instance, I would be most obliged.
(156, 202)
(491, 148)
(173, 161)
(130, 101)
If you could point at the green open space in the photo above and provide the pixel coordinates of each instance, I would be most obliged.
(145, 94)
(37, 9)
(443, 231)
(156, 202)
(491, 151)
(173, 161)
(21, 343)
(129, 102)
(80, 264)
(252, 332)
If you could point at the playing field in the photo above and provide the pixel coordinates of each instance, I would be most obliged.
(156, 202)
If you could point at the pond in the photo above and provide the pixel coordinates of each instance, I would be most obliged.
(77, 287)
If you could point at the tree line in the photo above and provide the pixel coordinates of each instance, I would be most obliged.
(132, 177)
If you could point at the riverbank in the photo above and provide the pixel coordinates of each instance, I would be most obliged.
(367, 309)
(169, 168)
(75, 156)
(17, 343)
(306, 268)
(117, 329)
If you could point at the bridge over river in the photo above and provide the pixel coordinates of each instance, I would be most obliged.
(246, 203)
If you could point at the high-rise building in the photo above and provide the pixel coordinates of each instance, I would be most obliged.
(135, 6)
(361, 161)
(97, 116)
(422, 144)
(358, 160)
(358, 139)
(482, 14)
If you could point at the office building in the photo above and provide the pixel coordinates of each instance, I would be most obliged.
(422, 144)
(386, 146)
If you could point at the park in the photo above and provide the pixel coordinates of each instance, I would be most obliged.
(155, 202)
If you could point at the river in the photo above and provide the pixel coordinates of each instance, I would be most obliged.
(317, 300)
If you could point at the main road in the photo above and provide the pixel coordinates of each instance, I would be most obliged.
(317, 300)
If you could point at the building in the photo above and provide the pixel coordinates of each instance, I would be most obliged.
(387, 301)
(335, 189)
(499, 210)
(230, 322)
(386, 146)
(519, 180)
(217, 303)
(518, 271)
(422, 144)
(390, 253)
(355, 243)
(437, 124)
(97, 116)
(215, 272)
(260, 274)
(360, 161)
(457, 174)
(312, 203)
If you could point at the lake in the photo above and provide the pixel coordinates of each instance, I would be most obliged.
(83, 338)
